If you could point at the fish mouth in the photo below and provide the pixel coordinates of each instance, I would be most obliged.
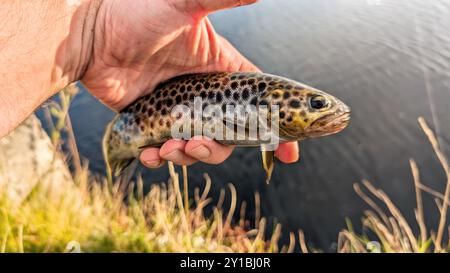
(332, 123)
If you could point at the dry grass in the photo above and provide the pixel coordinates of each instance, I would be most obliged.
(392, 232)
(94, 217)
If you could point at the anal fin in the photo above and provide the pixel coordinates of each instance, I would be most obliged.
(119, 166)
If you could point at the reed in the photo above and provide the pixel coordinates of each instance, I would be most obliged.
(391, 232)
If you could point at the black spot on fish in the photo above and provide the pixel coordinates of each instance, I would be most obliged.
(211, 95)
(289, 119)
(158, 105)
(294, 104)
(251, 81)
(165, 93)
(217, 85)
(268, 78)
(203, 94)
(282, 114)
(168, 124)
(219, 97)
(169, 102)
(198, 87)
(286, 95)
(138, 107)
(243, 83)
(173, 93)
(152, 100)
(163, 111)
(182, 88)
(289, 86)
(227, 93)
(161, 122)
(178, 99)
(262, 86)
(185, 96)
(303, 113)
(150, 112)
(263, 102)
(245, 94)
(236, 96)
(241, 77)
(137, 120)
(207, 85)
(189, 88)
(254, 101)
(276, 95)
(234, 85)
(191, 97)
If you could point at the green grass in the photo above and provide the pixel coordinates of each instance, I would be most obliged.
(93, 217)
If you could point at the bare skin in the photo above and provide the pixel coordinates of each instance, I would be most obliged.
(120, 50)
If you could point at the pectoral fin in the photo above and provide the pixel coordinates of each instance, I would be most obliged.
(268, 163)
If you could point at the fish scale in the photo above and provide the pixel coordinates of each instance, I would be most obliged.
(304, 112)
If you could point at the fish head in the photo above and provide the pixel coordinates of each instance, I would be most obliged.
(305, 112)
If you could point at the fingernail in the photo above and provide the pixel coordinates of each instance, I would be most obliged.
(152, 163)
(200, 152)
(174, 155)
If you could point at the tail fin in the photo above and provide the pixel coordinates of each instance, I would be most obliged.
(114, 165)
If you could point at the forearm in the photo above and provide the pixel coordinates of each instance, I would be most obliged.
(44, 46)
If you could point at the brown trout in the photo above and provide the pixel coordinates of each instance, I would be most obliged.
(299, 111)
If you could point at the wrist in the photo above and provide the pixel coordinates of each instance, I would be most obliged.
(75, 52)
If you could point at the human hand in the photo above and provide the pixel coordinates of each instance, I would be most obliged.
(138, 44)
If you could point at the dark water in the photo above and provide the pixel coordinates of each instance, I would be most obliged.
(388, 59)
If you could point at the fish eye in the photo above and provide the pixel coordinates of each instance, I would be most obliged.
(318, 102)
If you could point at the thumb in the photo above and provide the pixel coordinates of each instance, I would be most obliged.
(208, 6)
